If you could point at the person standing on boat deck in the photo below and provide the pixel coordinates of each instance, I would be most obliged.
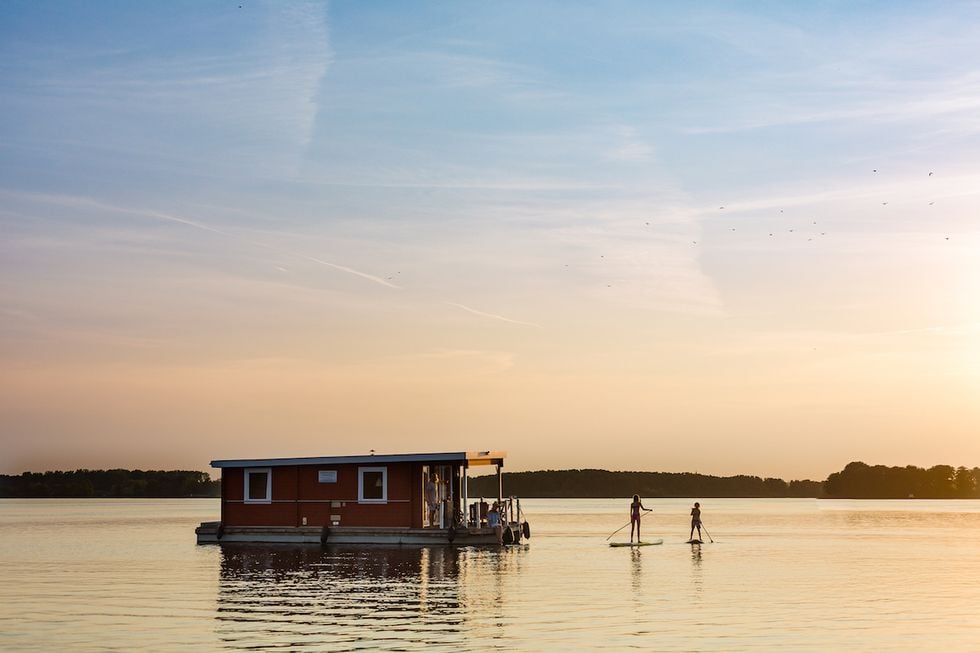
(695, 520)
(432, 497)
(494, 522)
(635, 509)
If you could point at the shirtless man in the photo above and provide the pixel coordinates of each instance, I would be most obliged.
(695, 520)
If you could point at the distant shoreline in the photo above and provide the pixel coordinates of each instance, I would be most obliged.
(110, 484)
(605, 484)
(856, 481)
(700, 496)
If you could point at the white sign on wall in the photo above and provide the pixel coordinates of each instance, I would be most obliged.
(328, 476)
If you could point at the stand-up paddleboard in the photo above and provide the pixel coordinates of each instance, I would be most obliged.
(650, 543)
(695, 541)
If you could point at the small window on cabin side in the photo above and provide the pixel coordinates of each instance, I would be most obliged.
(372, 484)
(258, 485)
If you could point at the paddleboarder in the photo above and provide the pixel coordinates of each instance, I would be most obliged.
(695, 520)
(635, 510)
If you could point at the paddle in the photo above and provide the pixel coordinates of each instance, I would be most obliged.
(625, 525)
(619, 529)
(707, 533)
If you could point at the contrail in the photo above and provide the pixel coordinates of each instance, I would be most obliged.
(88, 202)
(68, 200)
(171, 218)
(349, 270)
(73, 201)
(342, 268)
(493, 316)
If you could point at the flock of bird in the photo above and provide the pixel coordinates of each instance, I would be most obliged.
(822, 233)
(773, 234)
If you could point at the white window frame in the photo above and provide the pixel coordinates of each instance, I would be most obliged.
(384, 484)
(268, 484)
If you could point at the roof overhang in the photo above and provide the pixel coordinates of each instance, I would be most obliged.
(466, 458)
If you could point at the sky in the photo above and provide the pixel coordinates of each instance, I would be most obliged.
(716, 237)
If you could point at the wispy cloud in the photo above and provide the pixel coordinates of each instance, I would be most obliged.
(19, 314)
(628, 146)
(344, 268)
(863, 341)
(453, 68)
(88, 203)
(266, 89)
(905, 187)
(487, 360)
(882, 109)
(492, 316)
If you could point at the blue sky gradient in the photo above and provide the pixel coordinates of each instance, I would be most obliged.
(588, 234)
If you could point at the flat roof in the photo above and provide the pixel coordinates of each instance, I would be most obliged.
(471, 458)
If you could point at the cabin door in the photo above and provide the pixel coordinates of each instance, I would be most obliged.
(437, 495)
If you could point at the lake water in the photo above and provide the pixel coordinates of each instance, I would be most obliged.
(782, 574)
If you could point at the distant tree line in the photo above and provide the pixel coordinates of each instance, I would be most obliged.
(108, 483)
(856, 481)
(600, 483)
(860, 481)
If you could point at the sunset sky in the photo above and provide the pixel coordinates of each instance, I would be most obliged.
(715, 237)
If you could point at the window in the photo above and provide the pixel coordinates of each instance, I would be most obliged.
(258, 485)
(372, 485)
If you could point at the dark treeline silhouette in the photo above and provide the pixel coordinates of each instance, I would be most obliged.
(856, 481)
(109, 483)
(599, 483)
(860, 481)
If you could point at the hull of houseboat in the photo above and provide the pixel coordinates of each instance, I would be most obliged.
(215, 533)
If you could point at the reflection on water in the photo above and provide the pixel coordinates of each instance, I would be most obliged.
(785, 575)
(342, 598)
(636, 568)
(696, 580)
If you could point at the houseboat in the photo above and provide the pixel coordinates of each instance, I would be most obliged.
(416, 498)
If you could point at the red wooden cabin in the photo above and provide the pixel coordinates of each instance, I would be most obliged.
(369, 498)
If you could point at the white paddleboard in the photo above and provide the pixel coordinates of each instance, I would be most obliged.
(650, 543)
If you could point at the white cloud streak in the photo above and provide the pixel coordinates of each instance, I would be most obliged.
(344, 268)
(902, 189)
(88, 203)
(263, 93)
(492, 316)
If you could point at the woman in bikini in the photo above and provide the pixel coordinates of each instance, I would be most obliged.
(635, 510)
